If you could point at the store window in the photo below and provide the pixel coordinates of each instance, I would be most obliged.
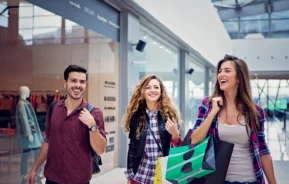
(196, 82)
(159, 58)
(4, 15)
(39, 64)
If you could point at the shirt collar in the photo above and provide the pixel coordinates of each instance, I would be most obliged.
(152, 114)
(83, 104)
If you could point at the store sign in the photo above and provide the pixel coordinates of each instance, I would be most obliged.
(92, 14)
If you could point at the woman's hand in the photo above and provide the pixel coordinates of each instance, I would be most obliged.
(217, 102)
(172, 128)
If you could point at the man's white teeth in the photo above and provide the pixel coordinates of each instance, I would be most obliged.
(76, 90)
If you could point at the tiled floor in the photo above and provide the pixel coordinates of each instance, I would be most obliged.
(277, 139)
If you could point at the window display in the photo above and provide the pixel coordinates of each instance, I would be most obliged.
(38, 64)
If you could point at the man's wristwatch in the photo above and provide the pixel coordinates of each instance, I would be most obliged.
(93, 128)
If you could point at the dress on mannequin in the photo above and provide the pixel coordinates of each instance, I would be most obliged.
(28, 131)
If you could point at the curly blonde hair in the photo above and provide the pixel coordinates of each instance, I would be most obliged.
(138, 104)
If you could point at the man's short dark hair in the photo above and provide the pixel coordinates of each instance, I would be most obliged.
(74, 68)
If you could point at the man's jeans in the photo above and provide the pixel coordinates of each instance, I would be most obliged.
(52, 182)
(236, 182)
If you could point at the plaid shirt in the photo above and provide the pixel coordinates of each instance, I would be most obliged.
(258, 145)
(146, 170)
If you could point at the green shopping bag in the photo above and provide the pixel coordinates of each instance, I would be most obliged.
(193, 161)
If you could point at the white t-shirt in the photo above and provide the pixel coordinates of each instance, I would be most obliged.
(241, 165)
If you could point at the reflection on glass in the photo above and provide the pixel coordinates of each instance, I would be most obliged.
(40, 67)
(3, 21)
(2, 7)
(26, 34)
(196, 92)
(25, 23)
(69, 23)
(40, 33)
(41, 12)
(75, 31)
(49, 21)
(160, 58)
(26, 11)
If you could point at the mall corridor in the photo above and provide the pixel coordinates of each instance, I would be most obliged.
(118, 43)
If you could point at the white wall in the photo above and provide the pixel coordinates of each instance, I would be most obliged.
(194, 21)
(250, 50)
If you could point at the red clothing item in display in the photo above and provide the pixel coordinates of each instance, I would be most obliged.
(69, 154)
(6, 102)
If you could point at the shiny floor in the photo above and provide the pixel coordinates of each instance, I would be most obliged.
(277, 140)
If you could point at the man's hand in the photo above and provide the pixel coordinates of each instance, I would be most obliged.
(86, 118)
(31, 177)
(172, 128)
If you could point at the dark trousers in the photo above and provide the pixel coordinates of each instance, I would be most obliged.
(236, 182)
(52, 182)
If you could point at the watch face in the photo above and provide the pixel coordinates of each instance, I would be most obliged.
(93, 128)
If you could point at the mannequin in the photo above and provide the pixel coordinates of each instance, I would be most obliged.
(28, 131)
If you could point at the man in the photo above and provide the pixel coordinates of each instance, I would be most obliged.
(70, 133)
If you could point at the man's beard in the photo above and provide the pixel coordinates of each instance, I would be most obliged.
(71, 96)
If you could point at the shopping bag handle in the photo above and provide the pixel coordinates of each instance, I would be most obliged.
(160, 148)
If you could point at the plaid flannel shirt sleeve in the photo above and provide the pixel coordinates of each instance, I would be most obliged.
(202, 113)
(129, 174)
(263, 148)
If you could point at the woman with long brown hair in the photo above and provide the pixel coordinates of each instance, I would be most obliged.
(230, 114)
(152, 121)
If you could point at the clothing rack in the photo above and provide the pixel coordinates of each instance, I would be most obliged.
(34, 91)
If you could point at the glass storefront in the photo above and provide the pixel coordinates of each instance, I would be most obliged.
(272, 95)
(196, 82)
(158, 57)
(36, 56)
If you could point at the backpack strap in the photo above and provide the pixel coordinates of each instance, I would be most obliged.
(90, 107)
(51, 108)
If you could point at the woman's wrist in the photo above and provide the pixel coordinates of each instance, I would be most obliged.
(175, 137)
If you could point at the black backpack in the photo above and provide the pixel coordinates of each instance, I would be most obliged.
(96, 159)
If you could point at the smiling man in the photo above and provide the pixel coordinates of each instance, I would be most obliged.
(71, 132)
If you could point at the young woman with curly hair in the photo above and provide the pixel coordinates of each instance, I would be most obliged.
(231, 115)
(152, 121)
